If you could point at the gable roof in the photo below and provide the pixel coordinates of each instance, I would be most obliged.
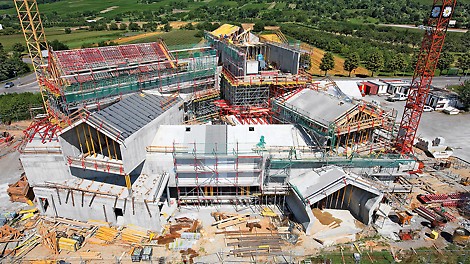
(131, 114)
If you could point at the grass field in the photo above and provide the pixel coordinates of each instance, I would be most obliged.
(74, 40)
(172, 38)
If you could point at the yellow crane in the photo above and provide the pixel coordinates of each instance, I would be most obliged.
(35, 37)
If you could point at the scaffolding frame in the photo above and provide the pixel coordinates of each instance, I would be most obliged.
(94, 75)
(215, 176)
(355, 130)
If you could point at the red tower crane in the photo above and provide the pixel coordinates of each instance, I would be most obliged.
(431, 47)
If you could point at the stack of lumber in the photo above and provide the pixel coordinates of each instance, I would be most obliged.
(68, 244)
(8, 233)
(90, 255)
(97, 223)
(254, 244)
(20, 191)
(230, 221)
(107, 234)
(134, 234)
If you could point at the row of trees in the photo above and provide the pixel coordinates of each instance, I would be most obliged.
(14, 107)
(374, 55)
(375, 62)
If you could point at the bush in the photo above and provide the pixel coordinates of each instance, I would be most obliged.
(16, 106)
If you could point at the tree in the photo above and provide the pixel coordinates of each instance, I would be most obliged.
(134, 26)
(464, 62)
(351, 63)
(188, 26)
(464, 93)
(327, 62)
(18, 47)
(258, 27)
(375, 61)
(398, 63)
(67, 30)
(57, 45)
(113, 26)
(445, 60)
(167, 27)
(123, 26)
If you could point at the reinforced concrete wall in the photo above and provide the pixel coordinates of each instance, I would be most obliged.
(122, 211)
(302, 212)
(363, 204)
(286, 59)
(44, 167)
(134, 148)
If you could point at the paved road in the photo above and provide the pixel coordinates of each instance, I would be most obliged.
(414, 27)
(440, 81)
(24, 84)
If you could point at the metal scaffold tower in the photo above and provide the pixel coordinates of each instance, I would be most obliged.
(431, 47)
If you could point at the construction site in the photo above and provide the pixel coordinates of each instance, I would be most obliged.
(226, 151)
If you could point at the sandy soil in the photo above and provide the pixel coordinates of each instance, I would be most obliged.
(339, 63)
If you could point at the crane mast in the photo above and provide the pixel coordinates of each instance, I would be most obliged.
(38, 48)
(431, 48)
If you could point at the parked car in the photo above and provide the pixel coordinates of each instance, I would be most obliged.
(396, 97)
(9, 85)
(427, 108)
(451, 111)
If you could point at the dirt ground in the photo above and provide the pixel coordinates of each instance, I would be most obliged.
(325, 218)
(317, 55)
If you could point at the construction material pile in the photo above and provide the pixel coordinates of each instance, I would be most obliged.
(180, 235)
(248, 236)
(20, 191)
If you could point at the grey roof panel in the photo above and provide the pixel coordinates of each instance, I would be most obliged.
(319, 106)
(132, 113)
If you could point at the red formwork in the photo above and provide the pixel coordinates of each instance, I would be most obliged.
(431, 47)
(72, 61)
(444, 198)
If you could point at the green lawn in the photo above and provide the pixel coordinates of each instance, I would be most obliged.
(74, 40)
(173, 38)
(94, 5)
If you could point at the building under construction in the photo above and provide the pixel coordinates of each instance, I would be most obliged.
(134, 143)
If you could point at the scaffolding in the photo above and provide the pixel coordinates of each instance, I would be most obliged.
(91, 75)
(215, 173)
(364, 129)
(201, 107)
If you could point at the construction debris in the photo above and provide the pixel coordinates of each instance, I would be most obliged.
(20, 191)
(8, 233)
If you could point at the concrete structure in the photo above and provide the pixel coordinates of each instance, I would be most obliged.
(334, 123)
(81, 174)
(253, 66)
(331, 187)
(436, 147)
(140, 156)
(349, 88)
